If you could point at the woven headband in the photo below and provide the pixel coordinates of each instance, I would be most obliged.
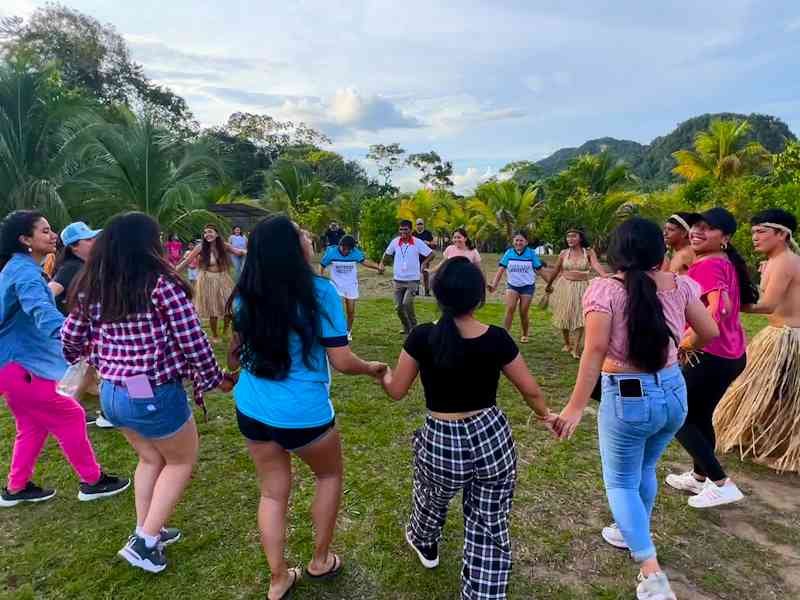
(788, 231)
(680, 220)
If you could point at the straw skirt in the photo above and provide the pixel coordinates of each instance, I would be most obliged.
(566, 302)
(211, 293)
(760, 413)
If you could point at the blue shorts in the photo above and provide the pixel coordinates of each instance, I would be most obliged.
(523, 290)
(154, 418)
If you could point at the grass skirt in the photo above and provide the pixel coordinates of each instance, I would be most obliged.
(566, 302)
(760, 412)
(211, 293)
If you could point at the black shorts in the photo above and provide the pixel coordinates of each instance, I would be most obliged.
(288, 439)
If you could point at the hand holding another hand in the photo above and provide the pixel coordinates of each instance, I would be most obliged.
(377, 369)
(567, 422)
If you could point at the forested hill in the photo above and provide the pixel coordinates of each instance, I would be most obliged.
(653, 163)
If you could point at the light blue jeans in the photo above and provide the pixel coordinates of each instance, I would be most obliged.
(634, 432)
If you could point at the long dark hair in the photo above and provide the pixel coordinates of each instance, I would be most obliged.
(275, 296)
(636, 249)
(17, 223)
(122, 269)
(223, 261)
(459, 288)
(748, 292)
(462, 231)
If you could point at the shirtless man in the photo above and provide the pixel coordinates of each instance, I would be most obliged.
(676, 236)
(760, 413)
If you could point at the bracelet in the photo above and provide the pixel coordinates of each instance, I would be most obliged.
(541, 417)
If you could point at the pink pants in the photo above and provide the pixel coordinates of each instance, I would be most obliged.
(38, 411)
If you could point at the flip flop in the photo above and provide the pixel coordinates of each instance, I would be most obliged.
(330, 573)
(524, 339)
(295, 573)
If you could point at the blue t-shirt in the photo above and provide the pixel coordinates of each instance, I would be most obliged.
(303, 398)
(344, 271)
(521, 268)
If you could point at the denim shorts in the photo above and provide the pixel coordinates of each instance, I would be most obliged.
(522, 290)
(158, 417)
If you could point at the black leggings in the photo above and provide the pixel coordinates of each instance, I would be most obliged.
(706, 383)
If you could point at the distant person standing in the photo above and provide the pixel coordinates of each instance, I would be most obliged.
(333, 235)
(174, 249)
(410, 257)
(676, 236)
(760, 413)
(237, 239)
(426, 236)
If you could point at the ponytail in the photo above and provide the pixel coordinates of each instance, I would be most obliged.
(649, 335)
(446, 341)
(637, 248)
(748, 292)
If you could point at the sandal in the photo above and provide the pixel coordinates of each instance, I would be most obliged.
(524, 339)
(566, 349)
(296, 573)
(330, 573)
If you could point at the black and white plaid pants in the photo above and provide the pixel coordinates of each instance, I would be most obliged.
(476, 455)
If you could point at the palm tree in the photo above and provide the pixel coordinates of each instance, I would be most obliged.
(721, 152)
(41, 130)
(501, 207)
(140, 165)
(599, 174)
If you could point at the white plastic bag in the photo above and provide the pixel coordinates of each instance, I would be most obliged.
(71, 381)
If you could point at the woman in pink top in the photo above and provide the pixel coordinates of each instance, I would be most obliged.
(462, 246)
(634, 320)
(725, 286)
(174, 249)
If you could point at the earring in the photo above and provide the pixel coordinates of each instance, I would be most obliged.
(723, 246)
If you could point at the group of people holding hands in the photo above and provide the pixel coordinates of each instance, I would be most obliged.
(663, 345)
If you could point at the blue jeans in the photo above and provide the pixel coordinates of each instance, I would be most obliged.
(238, 265)
(634, 432)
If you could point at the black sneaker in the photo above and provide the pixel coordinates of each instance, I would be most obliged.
(429, 557)
(31, 493)
(107, 485)
(139, 555)
(169, 535)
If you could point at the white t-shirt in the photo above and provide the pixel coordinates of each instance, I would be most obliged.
(344, 270)
(406, 258)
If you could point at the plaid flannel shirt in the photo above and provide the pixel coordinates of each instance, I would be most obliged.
(166, 344)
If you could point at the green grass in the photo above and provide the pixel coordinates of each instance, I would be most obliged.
(66, 549)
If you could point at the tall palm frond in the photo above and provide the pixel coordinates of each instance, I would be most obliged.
(721, 152)
(501, 207)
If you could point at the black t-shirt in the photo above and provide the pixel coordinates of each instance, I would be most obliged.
(332, 237)
(472, 385)
(64, 276)
(425, 236)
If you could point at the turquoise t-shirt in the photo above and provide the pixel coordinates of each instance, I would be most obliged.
(303, 398)
(344, 269)
(521, 268)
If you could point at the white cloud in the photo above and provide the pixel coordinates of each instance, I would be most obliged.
(348, 108)
(16, 8)
(472, 177)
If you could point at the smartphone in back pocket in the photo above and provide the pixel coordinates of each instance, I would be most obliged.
(630, 388)
(139, 387)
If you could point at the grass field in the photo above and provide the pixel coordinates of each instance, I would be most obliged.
(66, 549)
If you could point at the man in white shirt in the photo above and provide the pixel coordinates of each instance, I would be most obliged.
(407, 269)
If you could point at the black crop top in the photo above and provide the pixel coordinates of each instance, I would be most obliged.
(473, 384)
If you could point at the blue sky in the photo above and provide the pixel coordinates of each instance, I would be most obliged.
(482, 83)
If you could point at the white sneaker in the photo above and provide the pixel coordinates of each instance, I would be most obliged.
(685, 482)
(654, 587)
(102, 422)
(613, 536)
(349, 336)
(716, 495)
